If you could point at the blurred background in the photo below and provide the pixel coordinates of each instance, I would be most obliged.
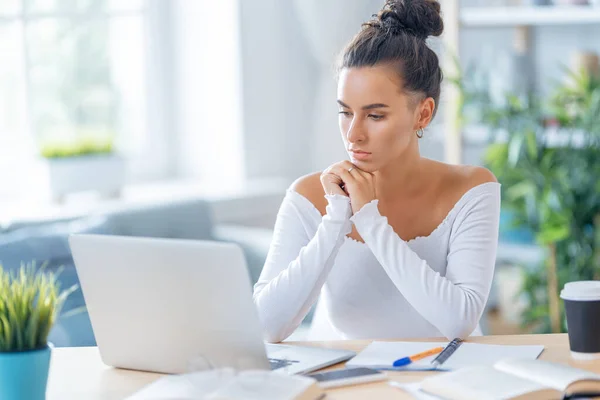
(189, 119)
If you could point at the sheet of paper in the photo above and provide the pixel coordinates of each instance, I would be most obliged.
(191, 386)
(381, 355)
(227, 384)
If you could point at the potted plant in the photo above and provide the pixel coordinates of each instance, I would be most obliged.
(30, 303)
(83, 163)
(547, 160)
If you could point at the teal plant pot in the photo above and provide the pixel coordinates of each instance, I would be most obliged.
(24, 374)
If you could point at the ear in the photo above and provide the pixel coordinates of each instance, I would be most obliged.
(424, 113)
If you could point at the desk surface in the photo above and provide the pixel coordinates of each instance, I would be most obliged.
(78, 373)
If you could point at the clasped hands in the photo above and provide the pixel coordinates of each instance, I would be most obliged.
(345, 179)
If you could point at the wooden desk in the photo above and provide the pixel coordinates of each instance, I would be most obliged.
(78, 373)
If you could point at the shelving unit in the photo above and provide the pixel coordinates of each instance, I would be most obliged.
(488, 17)
(522, 19)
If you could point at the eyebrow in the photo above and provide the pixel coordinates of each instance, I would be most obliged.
(367, 107)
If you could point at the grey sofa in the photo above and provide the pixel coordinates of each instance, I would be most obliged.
(47, 242)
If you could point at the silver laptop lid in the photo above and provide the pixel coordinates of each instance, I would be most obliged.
(169, 305)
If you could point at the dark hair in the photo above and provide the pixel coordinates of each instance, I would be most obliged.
(396, 36)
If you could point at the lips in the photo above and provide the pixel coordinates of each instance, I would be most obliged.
(360, 155)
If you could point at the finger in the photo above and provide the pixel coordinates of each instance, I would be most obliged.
(346, 176)
(326, 173)
(328, 169)
(334, 175)
(356, 173)
(338, 169)
(331, 170)
(346, 165)
(343, 163)
(333, 178)
(361, 175)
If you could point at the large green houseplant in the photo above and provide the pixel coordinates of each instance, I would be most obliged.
(548, 160)
(30, 303)
(549, 166)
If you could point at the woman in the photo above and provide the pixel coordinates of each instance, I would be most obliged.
(395, 244)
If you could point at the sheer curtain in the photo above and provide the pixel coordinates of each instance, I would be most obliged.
(69, 68)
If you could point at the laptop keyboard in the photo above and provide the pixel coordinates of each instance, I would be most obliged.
(277, 363)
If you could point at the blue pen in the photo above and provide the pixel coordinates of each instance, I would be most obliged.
(407, 360)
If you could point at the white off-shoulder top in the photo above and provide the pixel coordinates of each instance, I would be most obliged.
(386, 287)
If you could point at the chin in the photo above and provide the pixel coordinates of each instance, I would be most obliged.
(370, 169)
(365, 166)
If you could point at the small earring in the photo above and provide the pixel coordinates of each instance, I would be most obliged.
(420, 133)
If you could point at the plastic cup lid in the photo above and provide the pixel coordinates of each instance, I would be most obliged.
(581, 290)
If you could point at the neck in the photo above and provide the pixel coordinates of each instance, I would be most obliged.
(400, 177)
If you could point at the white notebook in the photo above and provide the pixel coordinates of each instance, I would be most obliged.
(381, 355)
(227, 384)
(515, 379)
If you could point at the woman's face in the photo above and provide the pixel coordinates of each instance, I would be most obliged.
(377, 120)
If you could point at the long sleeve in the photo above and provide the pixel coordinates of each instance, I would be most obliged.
(452, 303)
(297, 265)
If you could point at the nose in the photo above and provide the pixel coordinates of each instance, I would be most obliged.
(355, 133)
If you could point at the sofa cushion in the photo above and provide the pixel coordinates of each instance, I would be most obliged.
(188, 219)
(45, 242)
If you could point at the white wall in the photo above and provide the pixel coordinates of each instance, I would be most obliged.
(208, 83)
(279, 76)
(278, 80)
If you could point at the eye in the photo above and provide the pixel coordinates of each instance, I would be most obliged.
(376, 117)
(344, 113)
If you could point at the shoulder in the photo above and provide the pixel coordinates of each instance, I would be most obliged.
(309, 186)
(472, 185)
(462, 176)
(455, 181)
(470, 176)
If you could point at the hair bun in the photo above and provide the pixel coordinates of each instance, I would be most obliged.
(420, 18)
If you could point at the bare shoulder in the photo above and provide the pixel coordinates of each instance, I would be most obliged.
(463, 178)
(472, 176)
(456, 180)
(310, 187)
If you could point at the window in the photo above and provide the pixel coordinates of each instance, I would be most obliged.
(68, 68)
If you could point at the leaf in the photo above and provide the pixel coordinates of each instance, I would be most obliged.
(552, 235)
(520, 190)
(496, 157)
(531, 142)
(31, 332)
(30, 301)
(7, 333)
(514, 150)
(497, 152)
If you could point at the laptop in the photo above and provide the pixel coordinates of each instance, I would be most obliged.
(177, 306)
